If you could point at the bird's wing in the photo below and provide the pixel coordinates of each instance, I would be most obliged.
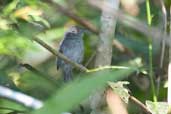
(63, 50)
(59, 61)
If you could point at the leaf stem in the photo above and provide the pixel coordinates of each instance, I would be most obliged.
(150, 48)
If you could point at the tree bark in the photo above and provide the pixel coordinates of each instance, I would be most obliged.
(108, 24)
(169, 70)
(104, 53)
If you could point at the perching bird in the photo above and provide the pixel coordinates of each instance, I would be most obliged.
(72, 47)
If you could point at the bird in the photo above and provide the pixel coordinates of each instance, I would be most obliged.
(72, 46)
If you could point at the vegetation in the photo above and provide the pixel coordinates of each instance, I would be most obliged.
(126, 61)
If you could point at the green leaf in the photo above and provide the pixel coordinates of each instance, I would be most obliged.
(71, 94)
(4, 24)
(52, 34)
(9, 8)
(12, 43)
(119, 88)
(40, 19)
(6, 81)
(10, 105)
(157, 107)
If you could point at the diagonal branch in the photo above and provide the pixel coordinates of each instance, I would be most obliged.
(81, 21)
(140, 104)
(34, 70)
(60, 55)
(73, 16)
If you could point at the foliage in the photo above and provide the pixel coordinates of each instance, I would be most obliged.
(67, 97)
(21, 20)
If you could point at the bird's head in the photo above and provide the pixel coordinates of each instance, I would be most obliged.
(74, 31)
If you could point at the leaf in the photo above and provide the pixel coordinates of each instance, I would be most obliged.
(157, 107)
(71, 94)
(119, 88)
(9, 8)
(31, 14)
(5, 80)
(26, 11)
(12, 43)
(40, 19)
(52, 34)
(4, 24)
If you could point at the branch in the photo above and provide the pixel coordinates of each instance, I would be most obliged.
(134, 23)
(90, 59)
(163, 49)
(21, 98)
(140, 104)
(122, 48)
(104, 52)
(163, 44)
(60, 55)
(34, 70)
(108, 25)
(79, 20)
(169, 71)
(73, 16)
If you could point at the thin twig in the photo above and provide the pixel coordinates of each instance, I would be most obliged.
(140, 104)
(60, 55)
(163, 44)
(34, 70)
(20, 98)
(90, 59)
(121, 48)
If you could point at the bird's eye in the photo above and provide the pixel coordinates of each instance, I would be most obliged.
(74, 30)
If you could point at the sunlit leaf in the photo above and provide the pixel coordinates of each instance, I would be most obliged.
(119, 88)
(40, 19)
(4, 24)
(52, 34)
(157, 107)
(9, 8)
(31, 14)
(26, 11)
(12, 43)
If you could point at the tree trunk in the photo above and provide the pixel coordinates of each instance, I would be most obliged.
(104, 53)
(108, 24)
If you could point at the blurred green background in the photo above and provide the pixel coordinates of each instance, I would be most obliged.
(21, 20)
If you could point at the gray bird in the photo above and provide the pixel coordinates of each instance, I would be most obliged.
(72, 47)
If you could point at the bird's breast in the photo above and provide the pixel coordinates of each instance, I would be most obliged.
(75, 50)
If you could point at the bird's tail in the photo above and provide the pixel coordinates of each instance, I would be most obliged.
(67, 74)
